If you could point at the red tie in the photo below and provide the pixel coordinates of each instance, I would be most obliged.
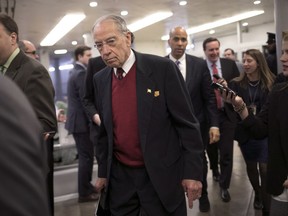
(218, 95)
(120, 72)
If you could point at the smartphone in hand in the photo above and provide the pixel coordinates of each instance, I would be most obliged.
(222, 88)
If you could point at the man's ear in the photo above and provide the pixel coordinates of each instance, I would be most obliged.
(13, 37)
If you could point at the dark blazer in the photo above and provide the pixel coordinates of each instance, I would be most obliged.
(95, 64)
(22, 162)
(198, 82)
(169, 133)
(77, 119)
(229, 71)
(272, 122)
(34, 80)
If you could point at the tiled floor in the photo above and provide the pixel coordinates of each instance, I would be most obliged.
(241, 192)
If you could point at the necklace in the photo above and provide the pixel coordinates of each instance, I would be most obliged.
(253, 84)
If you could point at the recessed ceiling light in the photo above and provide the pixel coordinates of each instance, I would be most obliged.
(74, 43)
(124, 13)
(245, 24)
(256, 2)
(93, 4)
(212, 31)
(182, 3)
(60, 51)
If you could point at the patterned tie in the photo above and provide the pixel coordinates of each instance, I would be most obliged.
(177, 62)
(218, 95)
(120, 72)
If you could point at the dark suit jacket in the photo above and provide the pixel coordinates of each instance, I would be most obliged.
(229, 71)
(77, 119)
(272, 121)
(170, 138)
(35, 82)
(22, 156)
(95, 64)
(198, 82)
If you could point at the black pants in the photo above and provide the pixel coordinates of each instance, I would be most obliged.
(50, 174)
(131, 193)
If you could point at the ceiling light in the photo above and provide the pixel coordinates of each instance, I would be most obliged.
(219, 23)
(245, 24)
(257, 2)
(93, 4)
(212, 31)
(74, 43)
(149, 20)
(182, 3)
(124, 13)
(65, 25)
(66, 67)
(60, 51)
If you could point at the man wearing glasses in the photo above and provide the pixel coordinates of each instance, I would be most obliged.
(28, 48)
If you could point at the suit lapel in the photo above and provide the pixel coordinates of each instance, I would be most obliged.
(189, 69)
(107, 100)
(145, 89)
(12, 70)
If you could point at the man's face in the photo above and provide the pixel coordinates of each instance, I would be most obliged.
(7, 44)
(228, 54)
(284, 57)
(30, 50)
(84, 59)
(212, 51)
(178, 42)
(113, 46)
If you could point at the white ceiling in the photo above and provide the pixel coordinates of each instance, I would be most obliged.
(36, 18)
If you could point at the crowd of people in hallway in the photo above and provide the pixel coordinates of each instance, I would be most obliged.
(153, 123)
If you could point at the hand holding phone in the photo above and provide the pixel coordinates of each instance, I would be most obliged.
(222, 88)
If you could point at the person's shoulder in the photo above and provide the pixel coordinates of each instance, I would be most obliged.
(227, 61)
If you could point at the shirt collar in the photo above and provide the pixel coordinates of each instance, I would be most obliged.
(11, 58)
(180, 59)
(128, 64)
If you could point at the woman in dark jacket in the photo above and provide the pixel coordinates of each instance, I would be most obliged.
(272, 121)
(253, 86)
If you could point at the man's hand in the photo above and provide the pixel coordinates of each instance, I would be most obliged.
(96, 119)
(214, 135)
(100, 184)
(193, 190)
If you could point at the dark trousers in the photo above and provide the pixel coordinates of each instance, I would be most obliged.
(205, 138)
(131, 193)
(50, 174)
(85, 151)
(225, 146)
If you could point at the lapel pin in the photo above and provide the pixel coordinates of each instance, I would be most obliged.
(156, 93)
(149, 91)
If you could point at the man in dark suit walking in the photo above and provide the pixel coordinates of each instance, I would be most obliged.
(77, 123)
(198, 82)
(34, 80)
(23, 188)
(149, 147)
(227, 69)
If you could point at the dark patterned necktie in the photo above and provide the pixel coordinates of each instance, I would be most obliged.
(120, 72)
(177, 63)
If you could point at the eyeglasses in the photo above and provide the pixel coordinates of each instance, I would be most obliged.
(111, 42)
(32, 52)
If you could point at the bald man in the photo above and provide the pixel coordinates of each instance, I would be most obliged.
(28, 48)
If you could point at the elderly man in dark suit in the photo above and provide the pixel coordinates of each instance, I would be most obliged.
(34, 80)
(77, 123)
(149, 147)
(23, 189)
(226, 68)
(198, 82)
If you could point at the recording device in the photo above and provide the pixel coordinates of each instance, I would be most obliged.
(216, 76)
(222, 88)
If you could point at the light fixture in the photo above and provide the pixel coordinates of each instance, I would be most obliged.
(93, 4)
(219, 23)
(149, 20)
(245, 24)
(212, 31)
(256, 2)
(183, 3)
(124, 13)
(60, 51)
(65, 25)
(74, 43)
